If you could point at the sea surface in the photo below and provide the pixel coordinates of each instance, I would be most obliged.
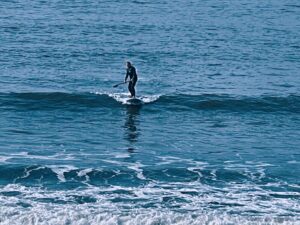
(216, 140)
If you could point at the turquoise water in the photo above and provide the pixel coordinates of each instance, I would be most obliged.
(216, 140)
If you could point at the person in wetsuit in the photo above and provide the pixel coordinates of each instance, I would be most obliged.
(131, 73)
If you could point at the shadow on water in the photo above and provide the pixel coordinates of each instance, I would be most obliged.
(131, 126)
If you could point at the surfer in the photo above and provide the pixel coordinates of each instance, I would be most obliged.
(131, 73)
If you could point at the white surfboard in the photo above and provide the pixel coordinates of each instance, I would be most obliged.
(124, 98)
(134, 101)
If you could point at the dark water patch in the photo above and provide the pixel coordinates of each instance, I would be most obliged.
(278, 195)
(117, 191)
(24, 205)
(84, 199)
(52, 200)
(292, 6)
(128, 200)
(218, 125)
(224, 204)
(230, 176)
(16, 131)
(10, 193)
(191, 193)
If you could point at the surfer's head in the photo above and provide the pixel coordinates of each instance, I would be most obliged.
(128, 64)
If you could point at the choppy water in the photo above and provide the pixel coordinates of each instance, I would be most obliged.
(215, 142)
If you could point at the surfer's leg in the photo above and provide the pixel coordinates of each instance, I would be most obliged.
(131, 89)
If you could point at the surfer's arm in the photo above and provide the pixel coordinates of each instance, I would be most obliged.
(126, 76)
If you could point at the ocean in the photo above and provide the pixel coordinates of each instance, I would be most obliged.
(215, 140)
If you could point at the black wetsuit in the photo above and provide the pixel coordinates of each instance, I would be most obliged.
(131, 73)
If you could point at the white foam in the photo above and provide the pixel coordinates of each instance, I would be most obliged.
(84, 172)
(60, 170)
(3, 159)
(149, 98)
(22, 155)
(165, 160)
(139, 171)
(87, 214)
(124, 97)
(195, 210)
(122, 155)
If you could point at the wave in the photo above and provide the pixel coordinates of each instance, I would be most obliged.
(77, 101)
(64, 175)
(53, 100)
(172, 196)
(289, 103)
(186, 190)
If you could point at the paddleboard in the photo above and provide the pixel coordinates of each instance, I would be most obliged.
(134, 101)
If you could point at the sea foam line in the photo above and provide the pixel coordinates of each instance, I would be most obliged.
(84, 214)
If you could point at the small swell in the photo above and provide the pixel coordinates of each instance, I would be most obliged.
(54, 100)
(289, 103)
(85, 101)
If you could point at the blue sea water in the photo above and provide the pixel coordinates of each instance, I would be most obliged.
(216, 140)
